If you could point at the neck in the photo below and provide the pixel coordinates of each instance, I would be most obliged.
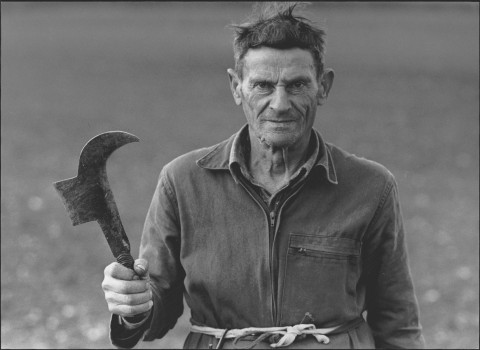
(274, 166)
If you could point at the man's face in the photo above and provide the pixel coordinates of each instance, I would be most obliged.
(279, 93)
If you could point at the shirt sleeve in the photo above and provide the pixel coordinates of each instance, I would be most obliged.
(160, 246)
(392, 307)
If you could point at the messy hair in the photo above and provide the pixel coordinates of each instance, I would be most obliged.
(274, 25)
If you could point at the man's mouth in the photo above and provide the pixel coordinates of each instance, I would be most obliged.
(280, 121)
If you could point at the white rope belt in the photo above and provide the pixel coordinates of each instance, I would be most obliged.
(289, 333)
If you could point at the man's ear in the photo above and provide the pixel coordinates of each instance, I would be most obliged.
(324, 85)
(235, 86)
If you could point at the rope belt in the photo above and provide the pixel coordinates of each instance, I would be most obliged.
(289, 333)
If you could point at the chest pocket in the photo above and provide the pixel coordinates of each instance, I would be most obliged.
(320, 277)
(323, 246)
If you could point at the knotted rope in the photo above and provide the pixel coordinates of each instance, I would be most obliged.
(289, 333)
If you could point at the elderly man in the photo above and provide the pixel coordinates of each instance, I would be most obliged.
(274, 237)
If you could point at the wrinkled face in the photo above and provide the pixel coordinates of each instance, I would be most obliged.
(279, 94)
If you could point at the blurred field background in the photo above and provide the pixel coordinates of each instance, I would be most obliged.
(406, 94)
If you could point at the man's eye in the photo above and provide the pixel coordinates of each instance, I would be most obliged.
(298, 84)
(261, 85)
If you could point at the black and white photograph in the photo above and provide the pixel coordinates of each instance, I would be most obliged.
(239, 175)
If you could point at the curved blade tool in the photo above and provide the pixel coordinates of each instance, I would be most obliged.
(87, 197)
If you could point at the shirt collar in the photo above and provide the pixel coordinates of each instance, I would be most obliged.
(234, 150)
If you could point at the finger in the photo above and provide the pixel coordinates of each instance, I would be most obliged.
(129, 310)
(141, 267)
(119, 271)
(128, 299)
(125, 287)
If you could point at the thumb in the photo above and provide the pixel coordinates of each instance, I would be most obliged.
(141, 267)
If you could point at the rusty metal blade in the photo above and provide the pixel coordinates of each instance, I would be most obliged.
(87, 197)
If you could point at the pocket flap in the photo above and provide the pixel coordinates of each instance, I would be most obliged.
(327, 244)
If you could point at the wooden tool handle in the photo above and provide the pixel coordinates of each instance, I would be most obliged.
(126, 260)
(117, 239)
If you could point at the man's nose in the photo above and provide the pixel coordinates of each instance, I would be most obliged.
(280, 101)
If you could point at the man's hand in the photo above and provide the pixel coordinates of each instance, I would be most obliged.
(127, 293)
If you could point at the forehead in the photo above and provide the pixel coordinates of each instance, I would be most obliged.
(270, 61)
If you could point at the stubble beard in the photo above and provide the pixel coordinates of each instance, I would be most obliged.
(272, 140)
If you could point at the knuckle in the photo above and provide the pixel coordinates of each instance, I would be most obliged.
(119, 287)
(149, 295)
(129, 310)
(127, 299)
(142, 308)
(111, 298)
(114, 270)
(108, 269)
(105, 285)
(146, 306)
(123, 288)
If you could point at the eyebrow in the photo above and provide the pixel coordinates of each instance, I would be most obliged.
(288, 81)
(304, 78)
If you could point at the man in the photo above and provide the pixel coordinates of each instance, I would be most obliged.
(273, 227)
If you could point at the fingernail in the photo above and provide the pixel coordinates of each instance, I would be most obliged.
(150, 304)
(142, 268)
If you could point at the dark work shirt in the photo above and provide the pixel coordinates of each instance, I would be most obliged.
(331, 243)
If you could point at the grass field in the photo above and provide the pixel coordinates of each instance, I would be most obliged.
(406, 94)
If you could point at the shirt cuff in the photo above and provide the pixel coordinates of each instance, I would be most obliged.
(131, 323)
(121, 336)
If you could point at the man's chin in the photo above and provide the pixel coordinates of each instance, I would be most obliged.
(280, 140)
